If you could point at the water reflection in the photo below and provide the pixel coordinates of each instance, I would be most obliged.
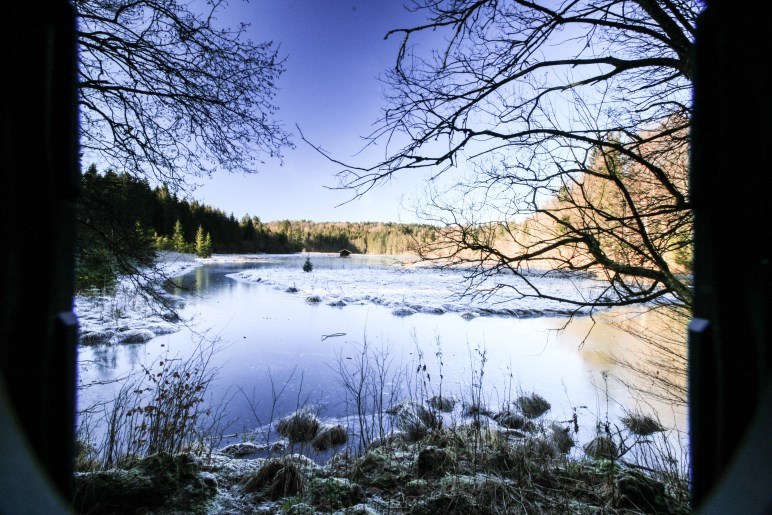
(105, 357)
(202, 280)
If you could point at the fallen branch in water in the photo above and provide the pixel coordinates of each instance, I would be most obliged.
(333, 335)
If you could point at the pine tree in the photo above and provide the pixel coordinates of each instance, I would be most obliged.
(308, 266)
(200, 243)
(162, 242)
(207, 245)
(178, 239)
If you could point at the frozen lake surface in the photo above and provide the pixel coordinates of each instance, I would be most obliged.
(276, 328)
(408, 289)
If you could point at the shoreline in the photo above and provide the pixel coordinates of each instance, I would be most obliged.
(466, 468)
(125, 315)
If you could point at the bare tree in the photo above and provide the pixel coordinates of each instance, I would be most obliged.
(167, 94)
(557, 134)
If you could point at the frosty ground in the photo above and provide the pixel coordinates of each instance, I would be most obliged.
(128, 315)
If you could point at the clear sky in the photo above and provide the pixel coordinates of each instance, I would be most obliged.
(335, 54)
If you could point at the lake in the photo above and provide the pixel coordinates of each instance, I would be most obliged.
(438, 332)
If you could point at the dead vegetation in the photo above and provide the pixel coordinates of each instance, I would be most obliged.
(533, 405)
(420, 459)
(276, 479)
(300, 426)
(602, 447)
(447, 472)
(329, 436)
(641, 424)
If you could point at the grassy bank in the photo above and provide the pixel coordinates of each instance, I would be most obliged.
(415, 451)
(511, 461)
(466, 469)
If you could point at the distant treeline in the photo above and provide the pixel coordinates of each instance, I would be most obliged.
(361, 237)
(120, 203)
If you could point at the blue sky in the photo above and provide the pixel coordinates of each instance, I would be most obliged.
(335, 53)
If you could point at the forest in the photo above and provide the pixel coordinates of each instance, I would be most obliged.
(123, 221)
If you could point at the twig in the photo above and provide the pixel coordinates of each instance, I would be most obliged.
(641, 467)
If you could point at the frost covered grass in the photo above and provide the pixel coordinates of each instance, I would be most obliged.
(128, 314)
(161, 410)
(435, 441)
(410, 289)
(422, 456)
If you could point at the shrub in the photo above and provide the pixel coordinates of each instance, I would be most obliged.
(161, 411)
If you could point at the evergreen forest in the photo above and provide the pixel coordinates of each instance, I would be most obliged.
(123, 221)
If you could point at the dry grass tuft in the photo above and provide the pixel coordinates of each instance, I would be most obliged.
(329, 436)
(300, 426)
(561, 437)
(512, 420)
(435, 461)
(276, 479)
(414, 419)
(443, 404)
(533, 406)
(641, 424)
(475, 410)
(601, 447)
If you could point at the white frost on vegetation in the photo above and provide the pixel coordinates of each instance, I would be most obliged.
(127, 315)
(418, 289)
